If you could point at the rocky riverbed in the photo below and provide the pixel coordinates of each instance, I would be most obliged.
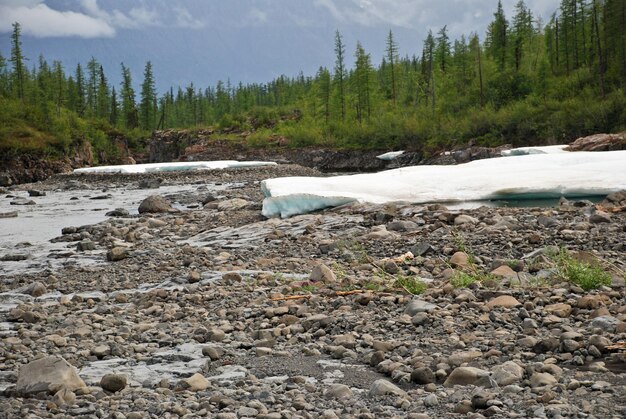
(205, 308)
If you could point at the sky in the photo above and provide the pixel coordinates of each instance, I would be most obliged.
(203, 41)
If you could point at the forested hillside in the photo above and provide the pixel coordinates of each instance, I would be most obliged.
(527, 82)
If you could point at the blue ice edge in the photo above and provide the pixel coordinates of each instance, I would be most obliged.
(295, 204)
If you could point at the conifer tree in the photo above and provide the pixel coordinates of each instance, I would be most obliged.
(129, 108)
(497, 37)
(340, 73)
(148, 99)
(17, 59)
(391, 54)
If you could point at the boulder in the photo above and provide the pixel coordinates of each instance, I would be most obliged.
(383, 388)
(49, 374)
(322, 273)
(459, 260)
(155, 204)
(117, 254)
(196, 382)
(464, 376)
(506, 301)
(339, 391)
(114, 382)
(599, 142)
(507, 373)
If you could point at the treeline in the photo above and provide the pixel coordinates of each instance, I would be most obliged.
(526, 82)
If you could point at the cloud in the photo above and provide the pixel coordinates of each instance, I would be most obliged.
(466, 14)
(184, 19)
(39, 20)
(89, 20)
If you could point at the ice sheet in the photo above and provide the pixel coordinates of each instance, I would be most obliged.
(519, 177)
(176, 166)
(391, 155)
(523, 151)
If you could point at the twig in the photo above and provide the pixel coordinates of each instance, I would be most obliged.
(293, 297)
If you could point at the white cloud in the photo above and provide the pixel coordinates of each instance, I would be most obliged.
(39, 20)
(90, 21)
(465, 14)
(184, 19)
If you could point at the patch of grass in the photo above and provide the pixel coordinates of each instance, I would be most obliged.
(413, 286)
(586, 275)
(307, 288)
(373, 286)
(464, 279)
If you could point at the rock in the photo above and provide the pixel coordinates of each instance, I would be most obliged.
(592, 302)
(64, 397)
(402, 225)
(459, 260)
(150, 183)
(383, 387)
(465, 219)
(542, 379)
(322, 273)
(504, 271)
(606, 323)
(418, 305)
(599, 142)
(35, 192)
(459, 358)
(196, 382)
(422, 249)
(117, 253)
(118, 212)
(431, 400)
(232, 204)
(600, 217)
(85, 245)
(507, 373)
(22, 201)
(506, 301)
(155, 204)
(113, 382)
(212, 352)
(422, 375)
(559, 309)
(49, 374)
(36, 289)
(216, 335)
(465, 376)
(339, 392)
(546, 345)
(100, 351)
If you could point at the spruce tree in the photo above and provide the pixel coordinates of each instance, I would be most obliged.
(17, 59)
(129, 108)
(147, 108)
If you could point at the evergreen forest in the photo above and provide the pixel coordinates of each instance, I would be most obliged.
(527, 82)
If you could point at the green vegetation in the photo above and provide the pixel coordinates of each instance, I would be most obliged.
(464, 279)
(588, 276)
(411, 285)
(526, 83)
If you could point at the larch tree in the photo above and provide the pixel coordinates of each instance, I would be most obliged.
(391, 55)
(340, 73)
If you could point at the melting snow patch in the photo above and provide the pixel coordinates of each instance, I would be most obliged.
(535, 176)
(176, 166)
(524, 151)
(391, 155)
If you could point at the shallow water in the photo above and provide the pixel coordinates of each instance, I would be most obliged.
(29, 233)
